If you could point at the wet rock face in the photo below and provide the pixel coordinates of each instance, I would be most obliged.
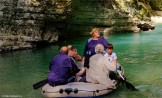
(114, 14)
(23, 23)
(146, 26)
(12, 42)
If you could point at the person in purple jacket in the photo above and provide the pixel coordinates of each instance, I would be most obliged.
(90, 44)
(59, 67)
(62, 69)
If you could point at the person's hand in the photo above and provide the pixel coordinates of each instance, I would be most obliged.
(80, 59)
(84, 68)
(77, 57)
(83, 58)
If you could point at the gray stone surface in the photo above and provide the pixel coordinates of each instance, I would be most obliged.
(23, 23)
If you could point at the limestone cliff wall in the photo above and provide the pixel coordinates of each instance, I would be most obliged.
(111, 16)
(24, 23)
(106, 14)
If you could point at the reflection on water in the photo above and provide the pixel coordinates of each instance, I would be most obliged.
(139, 53)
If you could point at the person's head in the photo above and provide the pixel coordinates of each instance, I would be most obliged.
(64, 49)
(95, 33)
(71, 48)
(99, 49)
(109, 49)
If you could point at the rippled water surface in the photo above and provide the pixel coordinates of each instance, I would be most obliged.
(139, 53)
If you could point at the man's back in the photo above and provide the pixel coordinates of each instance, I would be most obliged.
(60, 66)
(99, 70)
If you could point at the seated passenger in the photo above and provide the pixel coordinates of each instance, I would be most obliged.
(60, 68)
(73, 53)
(74, 56)
(111, 56)
(100, 68)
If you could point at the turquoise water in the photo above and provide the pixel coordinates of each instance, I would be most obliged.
(139, 53)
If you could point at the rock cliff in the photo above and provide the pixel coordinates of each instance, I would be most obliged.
(26, 23)
(111, 16)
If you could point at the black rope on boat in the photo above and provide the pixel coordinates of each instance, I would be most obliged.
(69, 90)
(75, 90)
(97, 91)
(61, 91)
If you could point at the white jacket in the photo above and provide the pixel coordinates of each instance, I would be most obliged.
(99, 69)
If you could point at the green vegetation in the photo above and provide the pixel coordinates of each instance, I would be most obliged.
(156, 4)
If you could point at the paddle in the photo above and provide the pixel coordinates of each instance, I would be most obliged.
(128, 85)
(40, 84)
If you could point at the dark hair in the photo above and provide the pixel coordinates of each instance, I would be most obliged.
(109, 46)
(70, 47)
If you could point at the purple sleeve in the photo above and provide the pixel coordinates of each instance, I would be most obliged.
(85, 48)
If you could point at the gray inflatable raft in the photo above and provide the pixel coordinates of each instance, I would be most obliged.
(77, 89)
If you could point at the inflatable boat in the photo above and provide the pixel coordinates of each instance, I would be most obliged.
(77, 89)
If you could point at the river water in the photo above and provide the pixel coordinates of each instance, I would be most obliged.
(139, 53)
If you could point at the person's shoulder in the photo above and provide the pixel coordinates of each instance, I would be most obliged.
(105, 54)
(56, 56)
(113, 53)
(89, 40)
(105, 59)
(63, 54)
(94, 56)
(66, 56)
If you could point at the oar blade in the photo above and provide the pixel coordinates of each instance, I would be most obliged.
(130, 86)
